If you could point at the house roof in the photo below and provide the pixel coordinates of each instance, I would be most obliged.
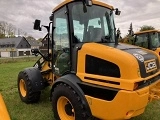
(14, 41)
(33, 43)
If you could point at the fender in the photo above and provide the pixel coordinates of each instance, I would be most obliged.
(36, 78)
(72, 80)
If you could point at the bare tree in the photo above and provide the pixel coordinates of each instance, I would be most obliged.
(3, 27)
(21, 32)
(11, 30)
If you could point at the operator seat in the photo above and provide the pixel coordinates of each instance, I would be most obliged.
(96, 34)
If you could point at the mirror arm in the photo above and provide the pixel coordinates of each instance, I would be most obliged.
(47, 27)
(38, 52)
(46, 58)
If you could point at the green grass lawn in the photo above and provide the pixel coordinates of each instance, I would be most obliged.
(8, 88)
(42, 110)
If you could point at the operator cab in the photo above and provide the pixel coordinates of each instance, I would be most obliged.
(148, 39)
(77, 23)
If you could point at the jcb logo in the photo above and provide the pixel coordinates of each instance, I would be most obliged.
(150, 65)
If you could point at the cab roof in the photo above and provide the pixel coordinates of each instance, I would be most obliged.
(95, 2)
(146, 31)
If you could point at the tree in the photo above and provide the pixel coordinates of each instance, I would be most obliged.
(130, 30)
(129, 38)
(3, 28)
(20, 32)
(7, 29)
(11, 30)
(146, 27)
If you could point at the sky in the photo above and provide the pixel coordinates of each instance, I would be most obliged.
(22, 13)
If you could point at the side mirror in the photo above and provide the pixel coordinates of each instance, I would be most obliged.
(51, 17)
(117, 12)
(37, 25)
(35, 51)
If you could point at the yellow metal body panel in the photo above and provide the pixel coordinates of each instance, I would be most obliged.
(157, 51)
(3, 111)
(50, 75)
(116, 56)
(96, 2)
(62, 4)
(125, 105)
(129, 68)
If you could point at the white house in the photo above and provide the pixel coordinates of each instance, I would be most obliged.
(13, 47)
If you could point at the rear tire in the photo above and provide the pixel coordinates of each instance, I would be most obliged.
(25, 89)
(67, 105)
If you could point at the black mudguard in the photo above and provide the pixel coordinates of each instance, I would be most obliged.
(37, 81)
(72, 80)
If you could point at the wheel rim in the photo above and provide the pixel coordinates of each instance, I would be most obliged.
(65, 109)
(22, 87)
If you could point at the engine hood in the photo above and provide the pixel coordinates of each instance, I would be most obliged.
(129, 58)
(147, 60)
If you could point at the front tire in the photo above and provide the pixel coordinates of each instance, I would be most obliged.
(67, 105)
(25, 89)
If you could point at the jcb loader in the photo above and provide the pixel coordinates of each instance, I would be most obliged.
(91, 74)
(149, 39)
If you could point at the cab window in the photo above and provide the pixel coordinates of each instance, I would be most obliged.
(61, 45)
(142, 41)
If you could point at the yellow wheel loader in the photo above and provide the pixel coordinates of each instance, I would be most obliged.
(91, 74)
(149, 39)
(3, 110)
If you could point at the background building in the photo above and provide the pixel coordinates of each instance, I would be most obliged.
(13, 47)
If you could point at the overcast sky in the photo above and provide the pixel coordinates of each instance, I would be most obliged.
(22, 13)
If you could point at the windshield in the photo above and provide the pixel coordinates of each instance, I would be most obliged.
(92, 23)
(142, 40)
(154, 40)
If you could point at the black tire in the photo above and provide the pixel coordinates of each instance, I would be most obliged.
(73, 109)
(25, 89)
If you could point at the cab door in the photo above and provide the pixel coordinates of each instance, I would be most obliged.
(61, 42)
